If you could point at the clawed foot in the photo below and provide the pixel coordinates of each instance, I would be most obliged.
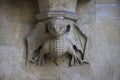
(40, 62)
(72, 62)
(76, 61)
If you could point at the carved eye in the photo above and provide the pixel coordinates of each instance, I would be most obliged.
(46, 28)
(68, 28)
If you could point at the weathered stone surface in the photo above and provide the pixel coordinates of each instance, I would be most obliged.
(86, 12)
(48, 5)
(14, 28)
(106, 33)
(107, 1)
(17, 18)
(12, 67)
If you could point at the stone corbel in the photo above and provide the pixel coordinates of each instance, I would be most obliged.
(56, 34)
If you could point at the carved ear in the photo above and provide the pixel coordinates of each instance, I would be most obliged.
(46, 28)
(68, 28)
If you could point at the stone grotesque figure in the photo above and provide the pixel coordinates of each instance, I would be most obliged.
(56, 37)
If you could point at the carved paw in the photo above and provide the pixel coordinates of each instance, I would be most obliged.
(72, 61)
(56, 62)
(79, 60)
(40, 61)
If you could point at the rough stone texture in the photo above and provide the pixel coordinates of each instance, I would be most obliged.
(86, 12)
(107, 1)
(12, 47)
(17, 18)
(104, 39)
(47, 5)
(106, 36)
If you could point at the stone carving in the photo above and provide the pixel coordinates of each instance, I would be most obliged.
(56, 35)
(54, 38)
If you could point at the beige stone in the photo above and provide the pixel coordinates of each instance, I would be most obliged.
(17, 19)
(65, 5)
(107, 1)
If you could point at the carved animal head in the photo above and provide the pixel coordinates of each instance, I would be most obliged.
(57, 26)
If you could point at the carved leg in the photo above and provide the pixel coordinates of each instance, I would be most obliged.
(40, 60)
(72, 61)
(73, 58)
(78, 57)
(79, 54)
(56, 62)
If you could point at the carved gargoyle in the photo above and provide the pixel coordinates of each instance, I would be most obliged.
(56, 37)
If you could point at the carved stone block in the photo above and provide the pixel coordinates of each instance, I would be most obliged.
(57, 35)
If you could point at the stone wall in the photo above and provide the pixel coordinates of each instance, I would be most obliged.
(17, 18)
(106, 36)
(99, 20)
